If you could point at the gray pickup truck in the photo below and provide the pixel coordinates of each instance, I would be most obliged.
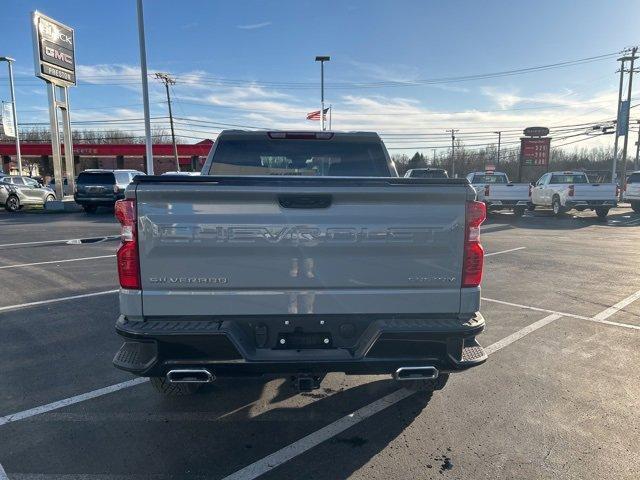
(298, 254)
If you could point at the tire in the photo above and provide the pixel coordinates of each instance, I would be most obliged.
(556, 206)
(635, 206)
(531, 207)
(50, 198)
(426, 386)
(90, 208)
(12, 204)
(518, 211)
(602, 212)
(161, 385)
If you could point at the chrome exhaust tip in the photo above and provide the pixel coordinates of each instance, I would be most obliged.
(190, 376)
(416, 373)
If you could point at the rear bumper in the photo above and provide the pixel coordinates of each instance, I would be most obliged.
(241, 347)
(102, 201)
(591, 203)
(505, 204)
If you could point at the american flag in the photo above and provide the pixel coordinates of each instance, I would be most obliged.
(316, 115)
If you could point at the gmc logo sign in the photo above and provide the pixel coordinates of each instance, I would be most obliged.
(58, 55)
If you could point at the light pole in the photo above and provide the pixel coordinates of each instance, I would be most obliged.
(623, 177)
(10, 61)
(322, 59)
(145, 89)
(499, 137)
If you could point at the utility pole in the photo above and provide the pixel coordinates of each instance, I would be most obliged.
(167, 80)
(499, 137)
(145, 90)
(322, 59)
(634, 50)
(622, 60)
(453, 152)
(635, 163)
(10, 61)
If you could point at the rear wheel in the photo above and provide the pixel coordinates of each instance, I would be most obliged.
(163, 386)
(12, 204)
(427, 386)
(531, 207)
(556, 206)
(602, 212)
(518, 211)
(50, 198)
(90, 208)
(635, 206)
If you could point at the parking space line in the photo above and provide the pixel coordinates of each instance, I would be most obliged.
(598, 318)
(500, 344)
(47, 242)
(55, 261)
(10, 308)
(504, 251)
(14, 417)
(536, 309)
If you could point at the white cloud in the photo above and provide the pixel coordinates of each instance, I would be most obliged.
(253, 26)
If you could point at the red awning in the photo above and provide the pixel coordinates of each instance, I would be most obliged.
(185, 151)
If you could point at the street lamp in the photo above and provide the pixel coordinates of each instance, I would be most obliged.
(10, 61)
(322, 59)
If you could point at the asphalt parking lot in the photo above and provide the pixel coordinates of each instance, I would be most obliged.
(558, 397)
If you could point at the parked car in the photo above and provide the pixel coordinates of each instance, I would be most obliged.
(101, 188)
(65, 186)
(427, 173)
(498, 193)
(563, 191)
(284, 259)
(632, 191)
(18, 191)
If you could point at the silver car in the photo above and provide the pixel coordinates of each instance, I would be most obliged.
(18, 191)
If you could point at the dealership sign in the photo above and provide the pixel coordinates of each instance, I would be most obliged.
(535, 151)
(54, 50)
(536, 131)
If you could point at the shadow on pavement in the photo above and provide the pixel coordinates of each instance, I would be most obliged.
(214, 433)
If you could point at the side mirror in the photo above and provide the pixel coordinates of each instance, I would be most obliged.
(532, 184)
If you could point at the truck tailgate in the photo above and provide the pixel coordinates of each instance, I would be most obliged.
(604, 191)
(511, 191)
(274, 246)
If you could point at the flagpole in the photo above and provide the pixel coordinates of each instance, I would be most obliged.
(322, 59)
(330, 110)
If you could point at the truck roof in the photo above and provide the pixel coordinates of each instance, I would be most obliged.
(258, 134)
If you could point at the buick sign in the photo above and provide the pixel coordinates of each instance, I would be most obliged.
(54, 50)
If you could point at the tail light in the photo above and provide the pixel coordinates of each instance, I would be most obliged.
(572, 190)
(127, 256)
(486, 190)
(476, 213)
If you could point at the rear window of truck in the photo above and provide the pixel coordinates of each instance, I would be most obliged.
(567, 178)
(96, 178)
(634, 178)
(489, 179)
(327, 158)
(429, 174)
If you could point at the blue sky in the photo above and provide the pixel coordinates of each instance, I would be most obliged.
(260, 48)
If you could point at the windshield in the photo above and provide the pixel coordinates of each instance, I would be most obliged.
(330, 158)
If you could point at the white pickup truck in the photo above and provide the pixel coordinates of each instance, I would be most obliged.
(498, 193)
(563, 191)
(632, 191)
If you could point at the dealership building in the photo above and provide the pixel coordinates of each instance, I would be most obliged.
(37, 158)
